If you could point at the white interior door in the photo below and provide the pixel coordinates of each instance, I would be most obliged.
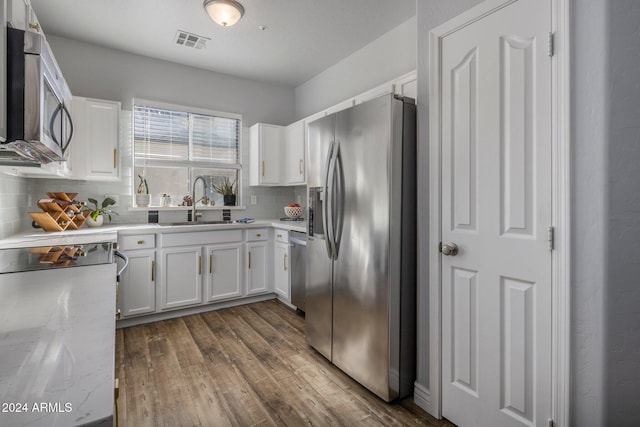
(496, 207)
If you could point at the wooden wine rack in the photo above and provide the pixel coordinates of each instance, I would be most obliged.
(54, 217)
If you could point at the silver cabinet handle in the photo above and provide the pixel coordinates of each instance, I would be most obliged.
(449, 249)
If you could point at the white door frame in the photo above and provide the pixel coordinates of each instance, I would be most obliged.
(561, 186)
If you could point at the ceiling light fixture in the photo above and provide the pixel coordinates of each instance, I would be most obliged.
(224, 12)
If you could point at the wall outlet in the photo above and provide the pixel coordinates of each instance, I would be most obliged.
(254, 199)
(115, 197)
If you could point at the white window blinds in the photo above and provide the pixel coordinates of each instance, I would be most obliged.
(179, 136)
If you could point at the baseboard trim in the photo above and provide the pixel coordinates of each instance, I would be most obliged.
(141, 320)
(422, 398)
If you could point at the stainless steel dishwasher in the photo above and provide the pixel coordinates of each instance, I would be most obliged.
(298, 242)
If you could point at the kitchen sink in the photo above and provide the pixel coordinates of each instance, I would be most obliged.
(197, 223)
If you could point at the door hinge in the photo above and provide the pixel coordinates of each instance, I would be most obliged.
(551, 237)
(551, 47)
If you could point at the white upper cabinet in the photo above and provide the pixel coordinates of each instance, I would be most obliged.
(374, 93)
(295, 153)
(19, 13)
(407, 85)
(265, 152)
(3, 70)
(95, 147)
(339, 107)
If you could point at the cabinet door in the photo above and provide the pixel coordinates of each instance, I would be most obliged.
(224, 271)
(266, 145)
(374, 93)
(94, 150)
(137, 289)
(18, 14)
(407, 85)
(281, 265)
(295, 153)
(257, 268)
(3, 70)
(181, 283)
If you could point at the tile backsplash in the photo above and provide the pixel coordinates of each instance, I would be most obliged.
(15, 201)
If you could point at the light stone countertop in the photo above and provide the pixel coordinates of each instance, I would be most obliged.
(109, 233)
(74, 319)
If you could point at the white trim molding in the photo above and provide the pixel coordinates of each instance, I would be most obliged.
(431, 399)
(561, 214)
(421, 396)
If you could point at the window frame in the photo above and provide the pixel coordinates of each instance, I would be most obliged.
(189, 164)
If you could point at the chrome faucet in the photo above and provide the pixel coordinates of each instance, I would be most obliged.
(204, 198)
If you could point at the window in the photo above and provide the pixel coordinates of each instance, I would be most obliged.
(173, 145)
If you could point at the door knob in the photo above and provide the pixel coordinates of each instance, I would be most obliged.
(449, 249)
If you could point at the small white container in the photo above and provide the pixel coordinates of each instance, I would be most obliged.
(143, 200)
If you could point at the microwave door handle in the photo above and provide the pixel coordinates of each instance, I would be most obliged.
(66, 144)
(52, 123)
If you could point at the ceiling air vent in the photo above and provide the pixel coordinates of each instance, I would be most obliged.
(191, 40)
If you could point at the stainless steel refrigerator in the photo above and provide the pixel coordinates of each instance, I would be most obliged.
(361, 249)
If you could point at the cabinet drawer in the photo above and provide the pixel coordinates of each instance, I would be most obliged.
(281, 236)
(202, 238)
(137, 241)
(257, 234)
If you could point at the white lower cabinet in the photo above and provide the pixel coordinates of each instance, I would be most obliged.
(223, 278)
(201, 268)
(257, 268)
(181, 277)
(281, 266)
(137, 288)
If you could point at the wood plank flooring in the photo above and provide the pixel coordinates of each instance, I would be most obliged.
(242, 366)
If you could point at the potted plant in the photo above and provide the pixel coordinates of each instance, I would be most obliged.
(143, 198)
(227, 187)
(96, 217)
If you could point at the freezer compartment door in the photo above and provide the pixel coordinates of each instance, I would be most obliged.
(319, 311)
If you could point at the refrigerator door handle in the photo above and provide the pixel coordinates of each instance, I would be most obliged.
(332, 201)
(327, 208)
(339, 195)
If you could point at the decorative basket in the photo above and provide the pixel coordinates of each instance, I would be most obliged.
(293, 211)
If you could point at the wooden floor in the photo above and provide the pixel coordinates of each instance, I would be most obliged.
(241, 366)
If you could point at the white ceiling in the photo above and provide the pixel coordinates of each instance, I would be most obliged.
(303, 37)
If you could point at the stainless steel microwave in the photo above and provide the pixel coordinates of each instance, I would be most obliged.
(39, 124)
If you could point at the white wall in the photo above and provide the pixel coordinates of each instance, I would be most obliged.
(98, 72)
(590, 147)
(389, 56)
(622, 284)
